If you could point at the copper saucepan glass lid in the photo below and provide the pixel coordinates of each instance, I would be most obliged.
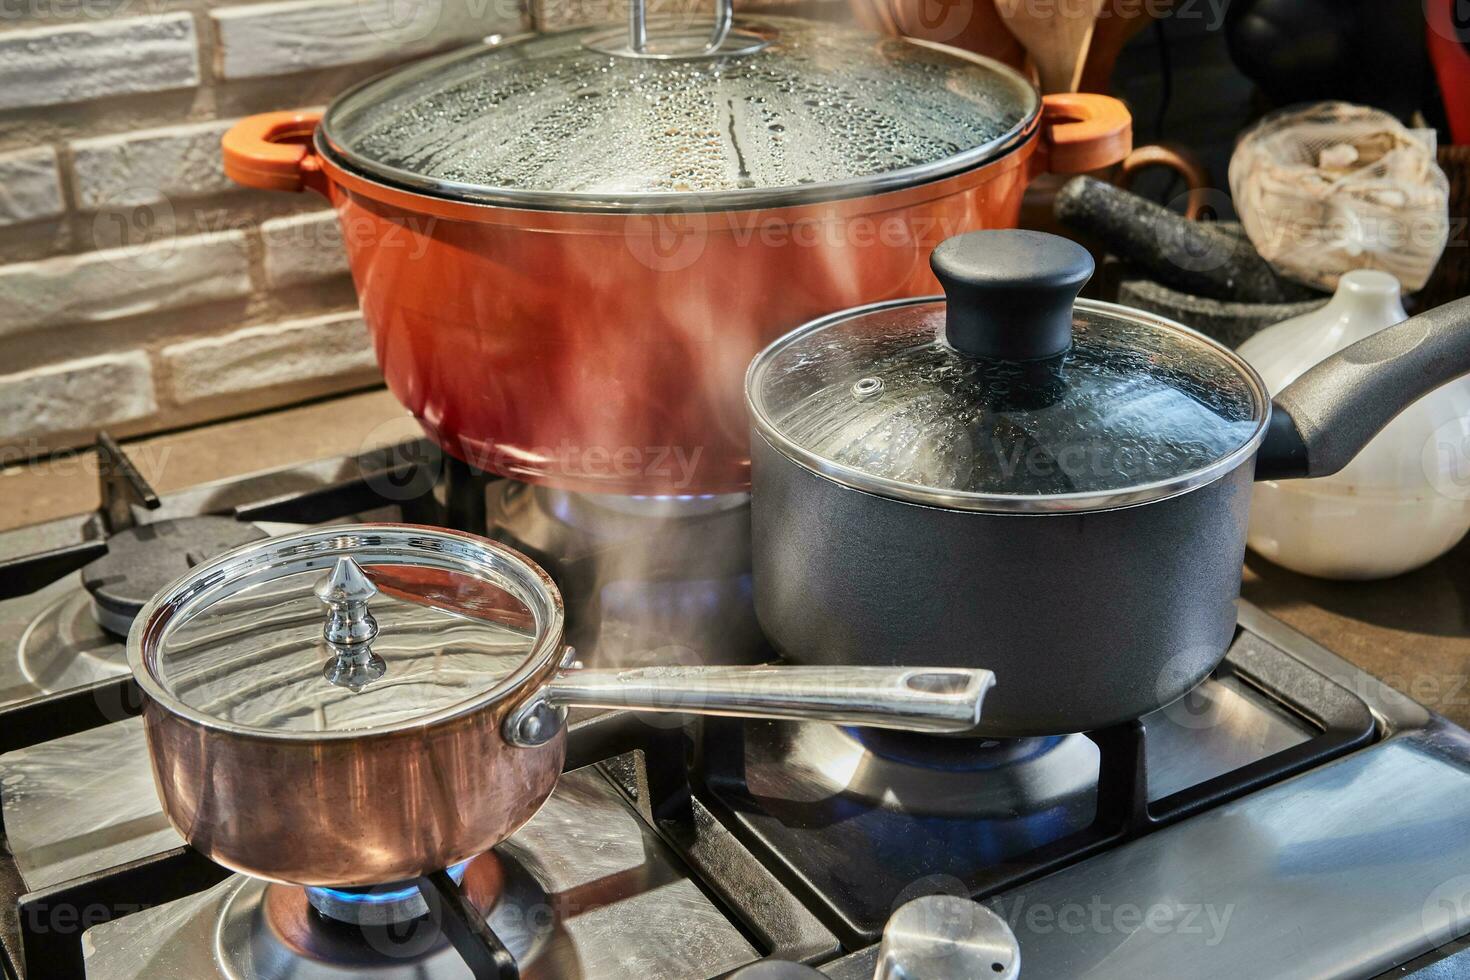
(345, 631)
(1115, 408)
(556, 121)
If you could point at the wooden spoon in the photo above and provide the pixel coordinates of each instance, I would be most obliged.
(1056, 34)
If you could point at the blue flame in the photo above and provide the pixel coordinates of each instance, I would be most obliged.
(372, 896)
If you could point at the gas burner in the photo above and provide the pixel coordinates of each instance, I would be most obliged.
(273, 932)
(613, 514)
(646, 579)
(376, 905)
(141, 560)
(952, 777)
(63, 647)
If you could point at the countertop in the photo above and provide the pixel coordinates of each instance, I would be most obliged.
(1412, 631)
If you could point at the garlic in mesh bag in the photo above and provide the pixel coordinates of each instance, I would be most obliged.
(1332, 187)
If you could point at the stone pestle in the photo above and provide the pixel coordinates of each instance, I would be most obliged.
(1189, 256)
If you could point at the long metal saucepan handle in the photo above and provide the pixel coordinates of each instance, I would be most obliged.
(918, 699)
(1321, 420)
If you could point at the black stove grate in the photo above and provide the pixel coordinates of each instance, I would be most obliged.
(406, 479)
(797, 848)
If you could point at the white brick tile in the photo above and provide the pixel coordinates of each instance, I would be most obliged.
(300, 35)
(76, 396)
(76, 62)
(149, 166)
(327, 348)
(30, 187)
(106, 285)
(303, 248)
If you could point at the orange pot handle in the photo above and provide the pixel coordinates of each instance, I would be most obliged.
(1176, 158)
(1083, 131)
(273, 152)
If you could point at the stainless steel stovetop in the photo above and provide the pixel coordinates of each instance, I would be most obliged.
(1292, 818)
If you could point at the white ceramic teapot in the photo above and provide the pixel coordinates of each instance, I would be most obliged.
(1405, 500)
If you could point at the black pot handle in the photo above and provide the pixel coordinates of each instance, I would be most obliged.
(1324, 418)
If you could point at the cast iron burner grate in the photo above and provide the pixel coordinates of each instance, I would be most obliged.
(887, 856)
(407, 481)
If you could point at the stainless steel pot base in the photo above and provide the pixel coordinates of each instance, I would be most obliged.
(647, 580)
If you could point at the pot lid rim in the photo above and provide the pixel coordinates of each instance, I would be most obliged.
(654, 202)
(174, 601)
(1082, 502)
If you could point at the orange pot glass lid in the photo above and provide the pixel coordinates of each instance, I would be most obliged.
(817, 112)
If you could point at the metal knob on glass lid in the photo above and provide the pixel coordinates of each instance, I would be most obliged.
(361, 704)
(1009, 393)
(671, 38)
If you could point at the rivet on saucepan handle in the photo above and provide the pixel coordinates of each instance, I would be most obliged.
(350, 626)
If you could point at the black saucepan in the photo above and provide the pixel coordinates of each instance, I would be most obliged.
(1053, 489)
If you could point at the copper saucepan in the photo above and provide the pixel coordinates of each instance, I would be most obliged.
(346, 746)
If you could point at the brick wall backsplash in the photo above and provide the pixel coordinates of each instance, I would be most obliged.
(139, 288)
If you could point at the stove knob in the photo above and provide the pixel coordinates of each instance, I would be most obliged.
(776, 970)
(941, 937)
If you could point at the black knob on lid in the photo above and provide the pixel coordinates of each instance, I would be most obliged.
(1010, 292)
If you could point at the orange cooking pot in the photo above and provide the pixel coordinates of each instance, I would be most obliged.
(567, 253)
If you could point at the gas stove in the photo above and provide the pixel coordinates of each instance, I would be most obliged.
(1292, 817)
